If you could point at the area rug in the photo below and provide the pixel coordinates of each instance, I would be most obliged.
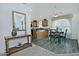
(63, 47)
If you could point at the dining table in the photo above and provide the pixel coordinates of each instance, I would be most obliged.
(56, 34)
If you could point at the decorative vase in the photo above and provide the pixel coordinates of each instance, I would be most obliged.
(14, 33)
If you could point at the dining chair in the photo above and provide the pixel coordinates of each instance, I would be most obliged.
(53, 35)
(63, 36)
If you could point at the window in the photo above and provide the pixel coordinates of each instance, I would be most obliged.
(62, 24)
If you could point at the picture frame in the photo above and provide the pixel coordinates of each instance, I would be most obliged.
(19, 21)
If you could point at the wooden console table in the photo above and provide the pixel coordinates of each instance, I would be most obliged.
(13, 49)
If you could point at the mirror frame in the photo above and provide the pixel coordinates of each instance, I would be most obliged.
(13, 20)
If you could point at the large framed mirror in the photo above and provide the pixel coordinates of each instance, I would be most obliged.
(19, 21)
